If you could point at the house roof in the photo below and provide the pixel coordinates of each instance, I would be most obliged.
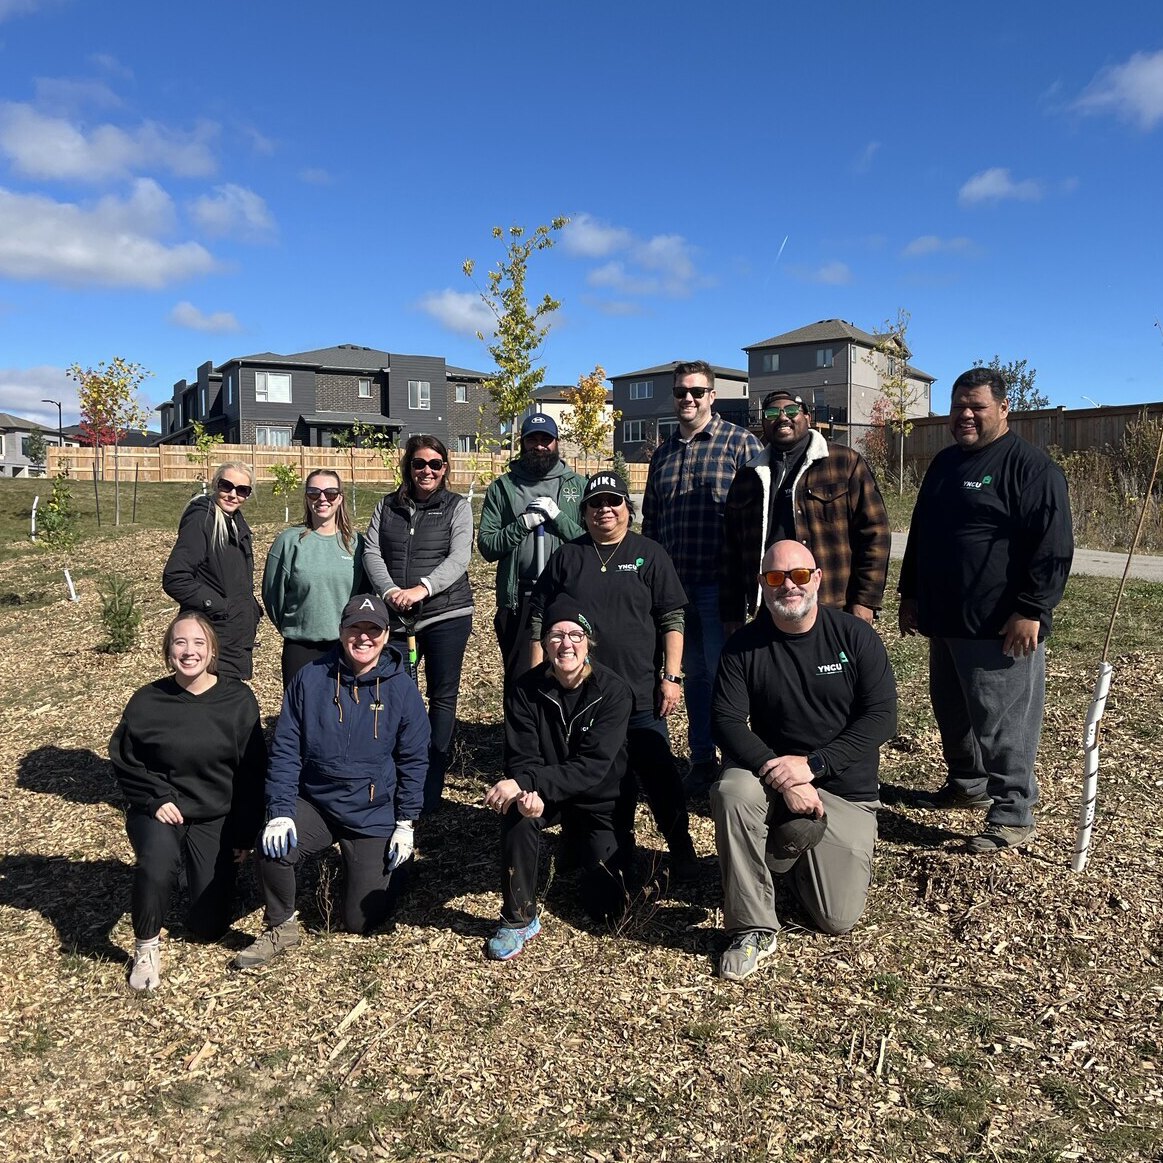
(820, 332)
(7, 420)
(466, 373)
(731, 373)
(348, 356)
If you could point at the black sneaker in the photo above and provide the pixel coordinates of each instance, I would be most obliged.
(995, 837)
(949, 798)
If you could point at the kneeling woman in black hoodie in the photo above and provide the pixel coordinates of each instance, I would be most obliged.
(190, 758)
(565, 755)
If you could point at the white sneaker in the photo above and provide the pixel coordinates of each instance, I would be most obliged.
(147, 964)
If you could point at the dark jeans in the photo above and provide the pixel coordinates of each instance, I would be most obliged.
(296, 655)
(988, 707)
(512, 628)
(590, 836)
(210, 872)
(365, 901)
(442, 647)
(650, 762)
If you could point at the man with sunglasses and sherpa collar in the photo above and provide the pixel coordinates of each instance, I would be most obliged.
(804, 698)
(804, 489)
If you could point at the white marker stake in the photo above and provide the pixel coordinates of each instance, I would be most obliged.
(35, 502)
(72, 592)
(1102, 688)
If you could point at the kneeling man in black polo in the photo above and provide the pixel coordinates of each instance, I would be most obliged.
(803, 700)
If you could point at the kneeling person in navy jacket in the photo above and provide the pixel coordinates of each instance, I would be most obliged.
(565, 756)
(348, 764)
(803, 700)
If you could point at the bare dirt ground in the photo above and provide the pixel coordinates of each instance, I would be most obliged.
(998, 1008)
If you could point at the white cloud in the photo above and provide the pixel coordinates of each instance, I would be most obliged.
(995, 185)
(933, 244)
(232, 210)
(64, 95)
(42, 146)
(111, 244)
(619, 308)
(831, 274)
(315, 176)
(615, 277)
(10, 8)
(185, 314)
(22, 390)
(588, 237)
(1132, 90)
(462, 312)
(863, 162)
(110, 65)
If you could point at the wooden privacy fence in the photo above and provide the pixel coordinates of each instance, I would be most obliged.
(170, 462)
(1072, 430)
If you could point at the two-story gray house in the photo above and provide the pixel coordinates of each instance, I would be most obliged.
(835, 366)
(646, 400)
(15, 433)
(307, 398)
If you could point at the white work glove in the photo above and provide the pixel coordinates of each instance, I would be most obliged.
(402, 843)
(279, 836)
(533, 518)
(546, 505)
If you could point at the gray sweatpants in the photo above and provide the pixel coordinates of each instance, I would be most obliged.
(989, 707)
(831, 880)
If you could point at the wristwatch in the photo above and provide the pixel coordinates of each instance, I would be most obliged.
(674, 678)
(816, 764)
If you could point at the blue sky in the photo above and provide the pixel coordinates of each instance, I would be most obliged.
(185, 183)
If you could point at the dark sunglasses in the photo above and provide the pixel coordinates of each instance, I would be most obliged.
(696, 393)
(799, 577)
(600, 502)
(419, 464)
(773, 412)
(243, 491)
(314, 493)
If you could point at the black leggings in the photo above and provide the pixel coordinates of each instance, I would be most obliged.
(210, 872)
(296, 655)
(365, 874)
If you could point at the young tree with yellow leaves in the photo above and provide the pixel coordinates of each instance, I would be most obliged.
(902, 393)
(586, 422)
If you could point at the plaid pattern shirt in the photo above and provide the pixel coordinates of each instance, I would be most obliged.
(839, 515)
(686, 491)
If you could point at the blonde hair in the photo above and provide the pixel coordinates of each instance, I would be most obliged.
(207, 629)
(221, 532)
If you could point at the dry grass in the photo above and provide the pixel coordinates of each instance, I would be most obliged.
(1000, 1008)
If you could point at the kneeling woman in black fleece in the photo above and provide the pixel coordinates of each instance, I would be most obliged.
(565, 756)
(190, 758)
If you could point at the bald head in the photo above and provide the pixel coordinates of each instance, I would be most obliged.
(792, 602)
(788, 555)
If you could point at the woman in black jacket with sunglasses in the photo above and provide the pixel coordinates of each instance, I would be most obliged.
(211, 567)
(416, 557)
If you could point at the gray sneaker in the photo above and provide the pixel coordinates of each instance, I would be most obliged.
(269, 944)
(994, 837)
(747, 949)
(146, 970)
(949, 798)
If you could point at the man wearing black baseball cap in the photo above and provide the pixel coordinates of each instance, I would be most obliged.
(539, 490)
(804, 698)
(802, 488)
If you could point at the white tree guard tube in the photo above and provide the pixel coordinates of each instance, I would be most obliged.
(1086, 804)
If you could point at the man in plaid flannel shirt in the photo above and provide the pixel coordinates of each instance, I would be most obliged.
(682, 509)
(801, 488)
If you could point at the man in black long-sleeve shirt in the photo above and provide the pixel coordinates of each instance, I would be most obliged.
(987, 560)
(803, 700)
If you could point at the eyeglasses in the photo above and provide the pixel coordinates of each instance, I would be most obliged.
(696, 393)
(419, 464)
(575, 636)
(601, 502)
(243, 491)
(799, 577)
(314, 493)
(772, 412)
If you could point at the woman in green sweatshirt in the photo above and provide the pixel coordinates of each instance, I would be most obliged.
(311, 572)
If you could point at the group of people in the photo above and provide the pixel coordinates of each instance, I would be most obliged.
(753, 588)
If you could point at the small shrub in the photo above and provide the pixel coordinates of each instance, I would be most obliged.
(119, 613)
(621, 467)
(58, 519)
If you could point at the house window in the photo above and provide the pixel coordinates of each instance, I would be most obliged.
(419, 394)
(666, 428)
(230, 388)
(642, 390)
(824, 357)
(633, 431)
(279, 437)
(365, 389)
(203, 401)
(24, 447)
(462, 393)
(272, 387)
(466, 444)
(771, 361)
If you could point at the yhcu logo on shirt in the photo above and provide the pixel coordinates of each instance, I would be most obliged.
(833, 667)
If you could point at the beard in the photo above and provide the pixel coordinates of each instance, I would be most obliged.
(777, 606)
(539, 461)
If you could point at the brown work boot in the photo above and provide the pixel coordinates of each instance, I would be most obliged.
(269, 944)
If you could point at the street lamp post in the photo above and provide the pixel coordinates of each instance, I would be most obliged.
(60, 422)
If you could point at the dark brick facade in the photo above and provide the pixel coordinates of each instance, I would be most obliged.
(340, 393)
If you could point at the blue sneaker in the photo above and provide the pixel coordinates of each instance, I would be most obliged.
(507, 943)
